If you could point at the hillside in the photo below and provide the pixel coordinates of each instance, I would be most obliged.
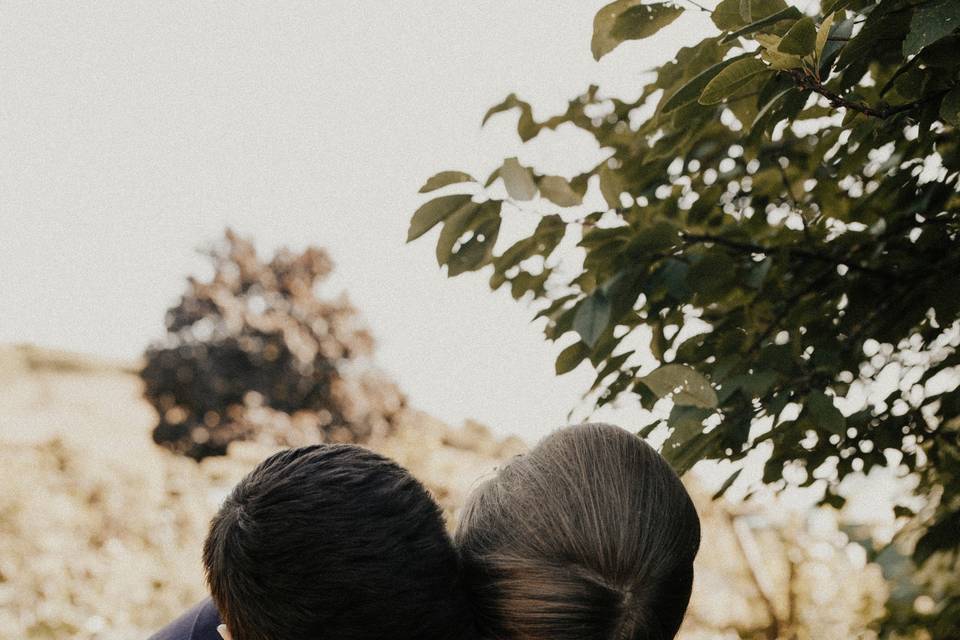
(101, 530)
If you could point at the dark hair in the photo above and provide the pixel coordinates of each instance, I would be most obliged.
(333, 541)
(589, 536)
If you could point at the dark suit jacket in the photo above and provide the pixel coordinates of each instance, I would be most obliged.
(199, 623)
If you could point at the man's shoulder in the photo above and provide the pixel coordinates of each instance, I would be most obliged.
(198, 623)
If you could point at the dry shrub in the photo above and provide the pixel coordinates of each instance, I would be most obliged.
(100, 535)
(93, 548)
(98, 549)
(254, 353)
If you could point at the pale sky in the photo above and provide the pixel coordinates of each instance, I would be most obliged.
(133, 133)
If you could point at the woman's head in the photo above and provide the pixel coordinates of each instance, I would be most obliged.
(591, 535)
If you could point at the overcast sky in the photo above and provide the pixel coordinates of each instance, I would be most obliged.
(132, 133)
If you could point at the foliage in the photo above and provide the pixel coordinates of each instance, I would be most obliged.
(254, 353)
(780, 225)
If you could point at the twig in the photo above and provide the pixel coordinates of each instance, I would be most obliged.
(699, 6)
(787, 187)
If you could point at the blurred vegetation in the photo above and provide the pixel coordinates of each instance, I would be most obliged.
(112, 548)
(101, 530)
(254, 353)
(776, 226)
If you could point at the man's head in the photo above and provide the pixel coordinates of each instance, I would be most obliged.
(333, 541)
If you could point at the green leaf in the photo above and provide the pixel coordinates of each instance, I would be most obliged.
(880, 28)
(559, 192)
(727, 484)
(687, 421)
(685, 385)
(445, 178)
(690, 91)
(835, 40)
(834, 500)
(476, 228)
(527, 127)
(612, 365)
(548, 234)
(525, 282)
(900, 511)
(628, 20)
(433, 212)
(823, 34)
(454, 227)
(931, 21)
(941, 535)
(909, 84)
(674, 277)
(770, 53)
(592, 317)
(570, 357)
(648, 429)
(555, 308)
(789, 13)
(755, 384)
(713, 273)
(758, 272)
(611, 186)
(727, 15)
(476, 251)
(766, 110)
(469, 217)
(518, 180)
(510, 102)
(730, 79)
(743, 102)
(644, 20)
(801, 39)
(651, 240)
(942, 54)
(824, 413)
(683, 455)
(832, 6)
(950, 107)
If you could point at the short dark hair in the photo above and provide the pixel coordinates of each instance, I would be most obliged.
(590, 535)
(333, 541)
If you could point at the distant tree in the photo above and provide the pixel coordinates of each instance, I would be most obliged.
(780, 233)
(254, 353)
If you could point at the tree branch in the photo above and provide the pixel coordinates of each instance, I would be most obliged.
(798, 251)
(788, 306)
(806, 81)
